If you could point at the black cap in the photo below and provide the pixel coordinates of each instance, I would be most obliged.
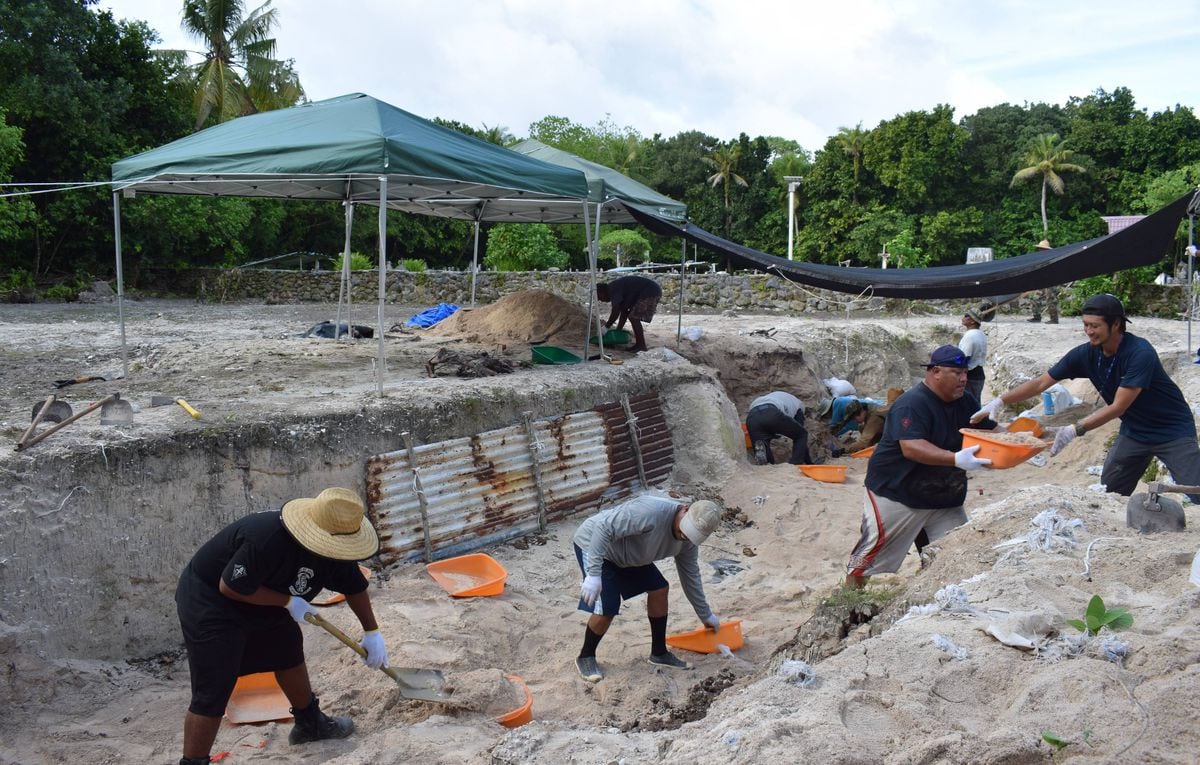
(948, 356)
(1105, 305)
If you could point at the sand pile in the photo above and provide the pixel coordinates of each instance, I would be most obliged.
(532, 316)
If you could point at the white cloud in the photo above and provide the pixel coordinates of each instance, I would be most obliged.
(797, 70)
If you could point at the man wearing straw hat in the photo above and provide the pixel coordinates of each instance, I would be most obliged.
(244, 594)
(616, 549)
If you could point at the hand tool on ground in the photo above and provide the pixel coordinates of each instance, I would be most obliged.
(39, 412)
(1148, 512)
(112, 402)
(88, 378)
(166, 400)
(52, 411)
(116, 412)
(419, 684)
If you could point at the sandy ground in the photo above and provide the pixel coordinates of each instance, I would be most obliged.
(886, 693)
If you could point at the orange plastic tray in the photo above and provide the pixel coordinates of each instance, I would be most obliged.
(1001, 454)
(704, 640)
(864, 453)
(332, 598)
(746, 435)
(827, 473)
(521, 714)
(469, 576)
(1026, 424)
(257, 698)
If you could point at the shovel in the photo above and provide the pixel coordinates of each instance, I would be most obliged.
(49, 410)
(1149, 512)
(168, 400)
(419, 684)
(113, 410)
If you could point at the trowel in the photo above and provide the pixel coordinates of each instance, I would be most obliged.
(1149, 512)
(419, 684)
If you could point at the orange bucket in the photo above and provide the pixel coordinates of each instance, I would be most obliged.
(257, 698)
(469, 576)
(331, 598)
(521, 714)
(826, 473)
(1002, 454)
(704, 640)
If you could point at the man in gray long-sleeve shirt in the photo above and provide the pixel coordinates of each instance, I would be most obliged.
(616, 549)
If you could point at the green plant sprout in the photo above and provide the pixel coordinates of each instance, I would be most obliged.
(1053, 740)
(1097, 617)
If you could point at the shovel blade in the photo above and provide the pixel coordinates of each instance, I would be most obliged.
(420, 684)
(1152, 513)
(116, 412)
(57, 411)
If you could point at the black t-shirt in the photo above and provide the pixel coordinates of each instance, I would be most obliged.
(920, 415)
(627, 290)
(258, 551)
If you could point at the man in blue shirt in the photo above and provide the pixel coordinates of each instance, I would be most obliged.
(1155, 419)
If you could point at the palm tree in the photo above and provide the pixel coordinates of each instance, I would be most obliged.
(239, 74)
(725, 160)
(1046, 156)
(852, 140)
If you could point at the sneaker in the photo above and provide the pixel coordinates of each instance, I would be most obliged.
(669, 659)
(588, 669)
(1053, 321)
(1034, 320)
(760, 453)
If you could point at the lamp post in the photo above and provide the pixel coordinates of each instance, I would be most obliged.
(792, 181)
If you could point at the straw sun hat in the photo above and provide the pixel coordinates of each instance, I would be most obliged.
(332, 525)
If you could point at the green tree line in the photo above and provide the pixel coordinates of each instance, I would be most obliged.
(80, 90)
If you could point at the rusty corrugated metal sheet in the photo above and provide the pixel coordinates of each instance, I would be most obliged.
(480, 490)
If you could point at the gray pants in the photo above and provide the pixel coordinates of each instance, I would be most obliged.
(1127, 461)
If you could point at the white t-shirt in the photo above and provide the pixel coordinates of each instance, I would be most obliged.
(974, 345)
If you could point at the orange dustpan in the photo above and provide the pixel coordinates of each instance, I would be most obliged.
(704, 640)
(522, 714)
(469, 576)
(257, 698)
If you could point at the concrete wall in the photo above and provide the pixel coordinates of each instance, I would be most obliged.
(705, 292)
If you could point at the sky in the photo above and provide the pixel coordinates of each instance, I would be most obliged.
(799, 70)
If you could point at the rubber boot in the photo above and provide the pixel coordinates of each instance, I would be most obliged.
(314, 725)
(194, 761)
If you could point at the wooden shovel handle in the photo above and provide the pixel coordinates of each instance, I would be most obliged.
(1157, 487)
(36, 419)
(352, 643)
(60, 425)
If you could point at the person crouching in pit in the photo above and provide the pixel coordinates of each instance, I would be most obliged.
(616, 549)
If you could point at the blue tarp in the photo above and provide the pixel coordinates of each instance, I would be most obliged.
(431, 316)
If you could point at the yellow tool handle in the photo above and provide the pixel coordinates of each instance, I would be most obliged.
(352, 643)
(188, 408)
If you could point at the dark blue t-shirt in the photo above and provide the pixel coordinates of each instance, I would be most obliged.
(628, 290)
(920, 415)
(1158, 414)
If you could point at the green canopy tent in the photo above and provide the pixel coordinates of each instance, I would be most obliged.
(352, 149)
(613, 195)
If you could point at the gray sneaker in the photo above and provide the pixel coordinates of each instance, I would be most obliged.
(760, 453)
(669, 659)
(588, 669)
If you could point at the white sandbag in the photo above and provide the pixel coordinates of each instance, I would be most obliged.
(839, 387)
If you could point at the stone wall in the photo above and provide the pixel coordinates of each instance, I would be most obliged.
(744, 291)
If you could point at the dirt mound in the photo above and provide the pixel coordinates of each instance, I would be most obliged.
(532, 316)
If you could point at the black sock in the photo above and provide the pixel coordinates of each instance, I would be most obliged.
(590, 641)
(658, 635)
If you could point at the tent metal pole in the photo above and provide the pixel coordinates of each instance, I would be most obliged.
(381, 365)
(682, 271)
(344, 284)
(591, 246)
(596, 265)
(475, 263)
(120, 281)
(1191, 253)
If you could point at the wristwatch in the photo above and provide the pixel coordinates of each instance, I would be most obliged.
(1079, 429)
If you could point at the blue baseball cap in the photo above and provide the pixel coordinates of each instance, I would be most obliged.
(947, 356)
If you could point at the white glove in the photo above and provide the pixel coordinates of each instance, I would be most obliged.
(299, 608)
(372, 643)
(713, 622)
(990, 410)
(1064, 436)
(590, 589)
(966, 459)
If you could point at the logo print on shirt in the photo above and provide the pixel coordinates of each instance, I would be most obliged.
(302, 587)
(905, 422)
(239, 571)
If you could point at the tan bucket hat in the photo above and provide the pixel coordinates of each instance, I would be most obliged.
(332, 525)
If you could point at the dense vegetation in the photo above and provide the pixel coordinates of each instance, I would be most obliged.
(79, 90)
